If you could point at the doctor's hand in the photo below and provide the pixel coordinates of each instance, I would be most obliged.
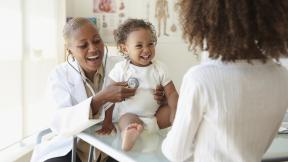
(117, 92)
(159, 95)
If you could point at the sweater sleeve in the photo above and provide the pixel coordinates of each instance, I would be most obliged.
(178, 145)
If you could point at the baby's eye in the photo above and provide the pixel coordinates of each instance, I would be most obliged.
(152, 44)
(139, 46)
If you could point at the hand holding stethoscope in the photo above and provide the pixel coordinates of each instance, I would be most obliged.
(117, 92)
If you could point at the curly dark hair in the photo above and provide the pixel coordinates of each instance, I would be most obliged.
(236, 29)
(122, 32)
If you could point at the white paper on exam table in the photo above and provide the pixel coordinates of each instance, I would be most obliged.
(147, 142)
(283, 128)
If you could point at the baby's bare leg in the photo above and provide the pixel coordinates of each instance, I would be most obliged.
(131, 127)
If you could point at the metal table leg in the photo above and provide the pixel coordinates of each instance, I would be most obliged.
(73, 159)
(91, 153)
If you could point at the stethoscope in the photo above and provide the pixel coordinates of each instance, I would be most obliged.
(132, 82)
(83, 77)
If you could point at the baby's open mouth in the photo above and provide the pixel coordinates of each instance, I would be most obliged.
(145, 57)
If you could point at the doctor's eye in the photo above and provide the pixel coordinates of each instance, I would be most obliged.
(97, 40)
(83, 46)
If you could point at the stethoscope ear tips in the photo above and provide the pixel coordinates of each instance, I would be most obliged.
(133, 83)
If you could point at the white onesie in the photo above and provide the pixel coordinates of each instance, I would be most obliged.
(143, 103)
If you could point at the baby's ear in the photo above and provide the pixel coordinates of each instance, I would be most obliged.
(123, 49)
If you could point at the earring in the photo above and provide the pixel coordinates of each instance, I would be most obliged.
(70, 54)
(73, 58)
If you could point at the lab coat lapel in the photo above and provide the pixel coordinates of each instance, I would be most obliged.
(78, 90)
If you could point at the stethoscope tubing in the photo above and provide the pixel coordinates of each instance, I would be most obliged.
(83, 77)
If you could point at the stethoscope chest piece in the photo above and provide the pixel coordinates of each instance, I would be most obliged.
(133, 82)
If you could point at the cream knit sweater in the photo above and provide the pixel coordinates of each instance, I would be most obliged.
(227, 112)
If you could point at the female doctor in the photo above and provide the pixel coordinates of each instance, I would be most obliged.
(76, 88)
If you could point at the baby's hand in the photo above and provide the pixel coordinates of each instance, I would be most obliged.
(159, 95)
(106, 129)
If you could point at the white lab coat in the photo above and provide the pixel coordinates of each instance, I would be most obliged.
(67, 90)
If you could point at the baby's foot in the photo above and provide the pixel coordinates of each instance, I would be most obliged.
(130, 134)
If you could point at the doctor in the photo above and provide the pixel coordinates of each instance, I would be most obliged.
(76, 89)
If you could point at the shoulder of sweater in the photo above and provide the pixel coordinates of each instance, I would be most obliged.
(201, 69)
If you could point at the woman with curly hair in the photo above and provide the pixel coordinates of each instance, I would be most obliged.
(231, 106)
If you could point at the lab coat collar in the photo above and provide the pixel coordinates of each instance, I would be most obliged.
(76, 83)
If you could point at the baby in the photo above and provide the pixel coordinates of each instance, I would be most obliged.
(136, 39)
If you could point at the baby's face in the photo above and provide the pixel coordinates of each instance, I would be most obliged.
(140, 47)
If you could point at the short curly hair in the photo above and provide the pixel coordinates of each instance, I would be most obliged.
(236, 29)
(122, 32)
(72, 25)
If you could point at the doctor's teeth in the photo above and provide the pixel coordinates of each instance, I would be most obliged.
(93, 57)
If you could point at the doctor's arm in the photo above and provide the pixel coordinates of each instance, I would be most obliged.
(71, 116)
(73, 112)
(116, 92)
(178, 145)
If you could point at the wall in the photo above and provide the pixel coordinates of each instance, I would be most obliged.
(170, 49)
(25, 158)
(39, 57)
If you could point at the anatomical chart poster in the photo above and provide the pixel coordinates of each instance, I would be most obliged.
(161, 13)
